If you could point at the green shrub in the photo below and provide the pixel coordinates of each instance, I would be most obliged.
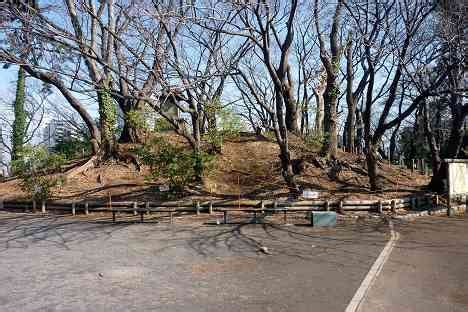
(33, 168)
(136, 119)
(162, 124)
(73, 148)
(228, 125)
(315, 140)
(174, 163)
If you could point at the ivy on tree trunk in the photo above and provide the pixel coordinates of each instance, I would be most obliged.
(108, 120)
(19, 124)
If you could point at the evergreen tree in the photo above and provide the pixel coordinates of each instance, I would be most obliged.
(19, 124)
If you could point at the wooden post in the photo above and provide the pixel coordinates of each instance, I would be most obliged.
(412, 165)
(275, 204)
(340, 207)
(393, 206)
(423, 166)
(436, 201)
(262, 205)
(413, 203)
(380, 207)
(147, 206)
(210, 207)
(171, 216)
(255, 216)
(142, 213)
(450, 211)
(197, 207)
(43, 206)
(327, 205)
(285, 216)
(86, 208)
(2, 206)
(73, 208)
(113, 216)
(34, 206)
(225, 216)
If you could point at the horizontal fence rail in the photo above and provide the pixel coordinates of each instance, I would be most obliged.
(426, 201)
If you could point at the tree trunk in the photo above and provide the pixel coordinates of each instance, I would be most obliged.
(291, 115)
(19, 124)
(433, 146)
(130, 133)
(305, 116)
(393, 143)
(320, 108)
(330, 100)
(351, 118)
(281, 133)
(108, 119)
(453, 147)
(359, 132)
(371, 159)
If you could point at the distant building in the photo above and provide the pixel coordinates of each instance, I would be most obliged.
(55, 132)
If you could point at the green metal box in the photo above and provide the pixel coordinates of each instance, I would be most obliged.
(323, 218)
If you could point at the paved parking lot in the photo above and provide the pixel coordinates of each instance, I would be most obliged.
(53, 263)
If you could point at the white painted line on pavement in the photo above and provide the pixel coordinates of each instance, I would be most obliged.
(371, 276)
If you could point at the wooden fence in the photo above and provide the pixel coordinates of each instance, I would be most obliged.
(427, 201)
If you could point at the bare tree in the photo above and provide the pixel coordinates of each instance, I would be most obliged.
(389, 31)
(331, 62)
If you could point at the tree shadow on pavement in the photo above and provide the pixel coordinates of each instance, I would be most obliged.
(22, 230)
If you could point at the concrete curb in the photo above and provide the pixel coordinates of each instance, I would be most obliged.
(430, 212)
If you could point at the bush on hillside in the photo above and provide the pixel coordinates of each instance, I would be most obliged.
(178, 165)
(228, 126)
(33, 167)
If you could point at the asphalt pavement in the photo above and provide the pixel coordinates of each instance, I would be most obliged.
(52, 263)
(427, 270)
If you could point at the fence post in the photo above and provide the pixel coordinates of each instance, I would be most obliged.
(412, 165)
(135, 207)
(86, 208)
(1, 204)
(423, 166)
(327, 205)
(340, 207)
(73, 208)
(34, 206)
(262, 205)
(380, 207)
(147, 206)
(210, 207)
(197, 206)
(450, 211)
(43, 206)
(413, 203)
(393, 206)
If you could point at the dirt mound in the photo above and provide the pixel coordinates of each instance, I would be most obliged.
(247, 168)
